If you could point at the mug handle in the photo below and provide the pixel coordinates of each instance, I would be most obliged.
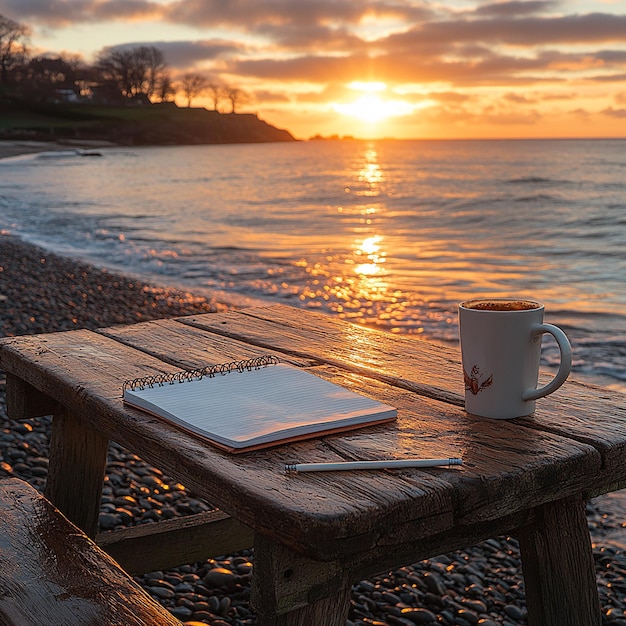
(565, 366)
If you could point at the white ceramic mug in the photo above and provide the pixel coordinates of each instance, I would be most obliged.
(500, 349)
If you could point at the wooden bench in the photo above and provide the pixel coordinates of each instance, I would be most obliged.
(315, 535)
(53, 574)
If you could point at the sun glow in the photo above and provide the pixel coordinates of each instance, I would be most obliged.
(368, 87)
(371, 107)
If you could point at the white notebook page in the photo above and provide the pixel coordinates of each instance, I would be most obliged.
(259, 405)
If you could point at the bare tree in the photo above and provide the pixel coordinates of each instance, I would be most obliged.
(13, 47)
(152, 61)
(115, 66)
(217, 92)
(136, 71)
(166, 90)
(193, 85)
(237, 97)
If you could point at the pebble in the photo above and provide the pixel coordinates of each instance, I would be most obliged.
(419, 616)
(220, 577)
(479, 586)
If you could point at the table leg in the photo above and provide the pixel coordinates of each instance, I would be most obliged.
(559, 571)
(289, 589)
(78, 456)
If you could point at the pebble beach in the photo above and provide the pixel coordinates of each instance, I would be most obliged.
(42, 292)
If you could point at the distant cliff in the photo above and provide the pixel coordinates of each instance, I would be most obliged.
(146, 124)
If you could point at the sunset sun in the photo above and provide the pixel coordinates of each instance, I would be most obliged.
(370, 106)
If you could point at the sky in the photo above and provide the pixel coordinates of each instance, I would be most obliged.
(375, 68)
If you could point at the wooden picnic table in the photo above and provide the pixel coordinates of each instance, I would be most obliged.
(315, 534)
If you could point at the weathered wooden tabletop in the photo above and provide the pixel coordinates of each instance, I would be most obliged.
(573, 447)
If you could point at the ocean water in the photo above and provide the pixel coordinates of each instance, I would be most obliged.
(391, 234)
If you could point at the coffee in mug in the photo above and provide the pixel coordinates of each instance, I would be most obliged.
(500, 350)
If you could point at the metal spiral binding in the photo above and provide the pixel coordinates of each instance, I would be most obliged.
(209, 371)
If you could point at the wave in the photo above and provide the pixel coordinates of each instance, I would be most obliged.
(539, 197)
(537, 180)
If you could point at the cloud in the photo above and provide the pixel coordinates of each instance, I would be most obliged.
(516, 98)
(581, 114)
(515, 8)
(446, 97)
(523, 32)
(615, 113)
(609, 78)
(264, 96)
(256, 15)
(510, 118)
(410, 67)
(185, 55)
(304, 68)
(55, 13)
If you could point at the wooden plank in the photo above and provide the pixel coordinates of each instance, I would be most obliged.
(505, 468)
(287, 592)
(78, 457)
(426, 368)
(399, 547)
(24, 401)
(557, 561)
(587, 414)
(195, 347)
(53, 574)
(559, 569)
(174, 542)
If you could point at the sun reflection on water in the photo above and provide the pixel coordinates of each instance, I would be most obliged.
(353, 283)
(359, 277)
(370, 248)
(371, 174)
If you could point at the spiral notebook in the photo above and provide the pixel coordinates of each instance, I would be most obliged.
(246, 405)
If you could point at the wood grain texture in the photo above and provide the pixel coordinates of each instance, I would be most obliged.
(590, 415)
(576, 411)
(170, 543)
(53, 574)
(559, 569)
(391, 358)
(78, 457)
(195, 347)
(291, 590)
(24, 401)
(254, 489)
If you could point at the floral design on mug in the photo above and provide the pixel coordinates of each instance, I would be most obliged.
(473, 382)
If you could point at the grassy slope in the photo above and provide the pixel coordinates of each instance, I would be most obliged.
(143, 124)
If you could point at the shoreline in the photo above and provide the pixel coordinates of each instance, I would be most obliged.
(18, 147)
(43, 292)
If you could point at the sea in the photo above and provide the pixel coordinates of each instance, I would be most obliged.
(388, 234)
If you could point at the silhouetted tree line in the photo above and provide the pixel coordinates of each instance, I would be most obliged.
(119, 75)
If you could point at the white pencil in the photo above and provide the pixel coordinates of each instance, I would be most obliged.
(371, 465)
